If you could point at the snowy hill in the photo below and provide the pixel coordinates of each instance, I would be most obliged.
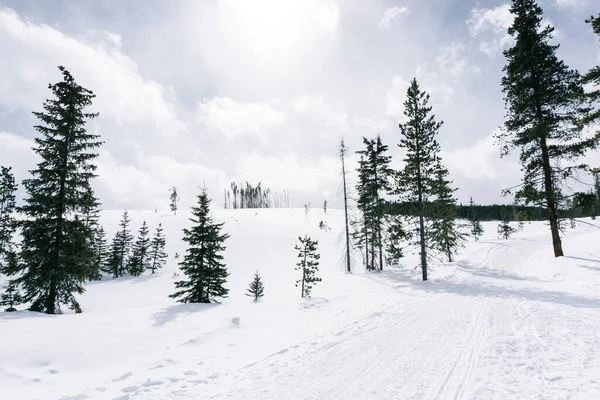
(506, 321)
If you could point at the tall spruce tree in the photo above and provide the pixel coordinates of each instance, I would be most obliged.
(374, 180)
(158, 257)
(308, 265)
(474, 221)
(120, 248)
(444, 234)
(139, 260)
(593, 79)
(8, 224)
(543, 100)
(57, 246)
(343, 152)
(414, 182)
(173, 200)
(203, 263)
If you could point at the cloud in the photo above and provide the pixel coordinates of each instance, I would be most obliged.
(390, 14)
(492, 24)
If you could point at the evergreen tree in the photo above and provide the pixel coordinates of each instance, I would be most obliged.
(120, 248)
(308, 264)
(101, 252)
(203, 263)
(414, 182)
(11, 297)
(57, 251)
(342, 154)
(592, 78)
(256, 288)
(158, 257)
(8, 225)
(543, 99)
(173, 200)
(325, 206)
(374, 175)
(396, 234)
(139, 260)
(505, 231)
(444, 234)
(476, 227)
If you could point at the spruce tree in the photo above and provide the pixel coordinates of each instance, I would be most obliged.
(203, 263)
(173, 200)
(139, 260)
(308, 265)
(57, 251)
(444, 234)
(8, 225)
(101, 252)
(476, 227)
(395, 235)
(325, 206)
(592, 78)
(120, 248)
(256, 288)
(11, 297)
(543, 100)
(158, 257)
(414, 182)
(505, 231)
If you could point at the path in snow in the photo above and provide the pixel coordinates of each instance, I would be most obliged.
(498, 328)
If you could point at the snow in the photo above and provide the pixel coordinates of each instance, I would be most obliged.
(505, 321)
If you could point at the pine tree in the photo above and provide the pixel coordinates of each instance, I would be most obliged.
(414, 182)
(120, 248)
(256, 288)
(174, 200)
(203, 263)
(395, 235)
(11, 297)
(101, 252)
(139, 260)
(343, 152)
(158, 257)
(8, 225)
(476, 227)
(308, 264)
(325, 206)
(505, 231)
(444, 234)
(543, 99)
(592, 78)
(57, 251)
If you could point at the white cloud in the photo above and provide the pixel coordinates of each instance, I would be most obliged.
(395, 96)
(492, 24)
(234, 119)
(390, 14)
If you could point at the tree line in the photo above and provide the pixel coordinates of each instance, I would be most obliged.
(248, 196)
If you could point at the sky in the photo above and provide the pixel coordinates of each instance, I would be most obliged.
(203, 93)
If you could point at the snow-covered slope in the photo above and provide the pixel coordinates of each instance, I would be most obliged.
(506, 320)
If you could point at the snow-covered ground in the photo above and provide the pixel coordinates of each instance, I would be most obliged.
(506, 321)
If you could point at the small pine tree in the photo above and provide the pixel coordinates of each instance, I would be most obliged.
(158, 256)
(121, 248)
(203, 263)
(325, 206)
(11, 297)
(395, 235)
(101, 250)
(505, 231)
(140, 258)
(476, 227)
(256, 288)
(308, 264)
(8, 224)
(174, 200)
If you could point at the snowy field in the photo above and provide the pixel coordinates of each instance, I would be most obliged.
(506, 321)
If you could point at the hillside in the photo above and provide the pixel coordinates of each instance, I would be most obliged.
(506, 320)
